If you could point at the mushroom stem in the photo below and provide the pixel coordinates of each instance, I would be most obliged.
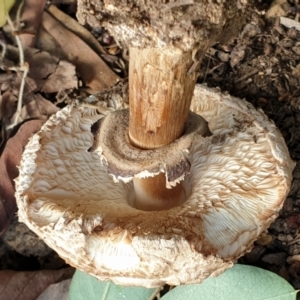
(160, 93)
(151, 194)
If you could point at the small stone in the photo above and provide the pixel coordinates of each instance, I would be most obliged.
(279, 8)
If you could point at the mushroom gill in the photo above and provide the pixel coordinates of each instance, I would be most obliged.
(238, 179)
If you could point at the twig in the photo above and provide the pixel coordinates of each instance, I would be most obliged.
(246, 76)
(19, 43)
(156, 293)
(23, 67)
(21, 92)
(297, 11)
(206, 70)
(3, 49)
(178, 3)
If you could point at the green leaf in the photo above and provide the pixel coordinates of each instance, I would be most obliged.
(238, 283)
(5, 6)
(87, 287)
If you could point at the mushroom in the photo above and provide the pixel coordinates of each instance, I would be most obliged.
(172, 190)
(238, 179)
(166, 41)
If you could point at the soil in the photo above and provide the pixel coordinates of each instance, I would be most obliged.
(262, 65)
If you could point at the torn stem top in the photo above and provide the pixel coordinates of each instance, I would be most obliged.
(160, 93)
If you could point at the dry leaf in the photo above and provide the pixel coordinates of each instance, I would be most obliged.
(37, 107)
(8, 105)
(9, 160)
(34, 105)
(92, 69)
(43, 68)
(57, 291)
(31, 18)
(29, 285)
(77, 29)
(46, 42)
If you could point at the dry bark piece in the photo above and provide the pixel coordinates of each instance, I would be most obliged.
(237, 55)
(238, 180)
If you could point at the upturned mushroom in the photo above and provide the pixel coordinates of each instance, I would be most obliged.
(176, 188)
(166, 42)
(237, 182)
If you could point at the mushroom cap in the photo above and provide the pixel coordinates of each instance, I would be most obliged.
(183, 24)
(238, 180)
